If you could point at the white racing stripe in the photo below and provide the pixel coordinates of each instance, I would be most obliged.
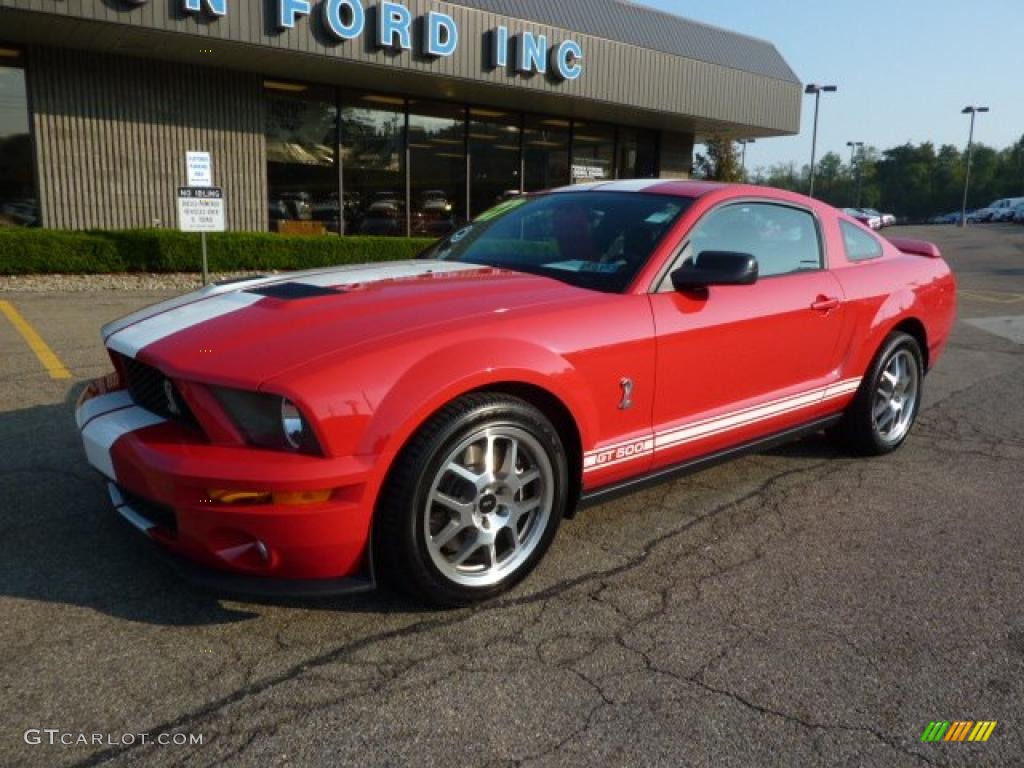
(148, 326)
(136, 337)
(374, 274)
(230, 287)
(633, 185)
(97, 406)
(102, 432)
(209, 291)
(622, 185)
(610, 456)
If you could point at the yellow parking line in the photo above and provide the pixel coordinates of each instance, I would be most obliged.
(995, 297)
(46, 356)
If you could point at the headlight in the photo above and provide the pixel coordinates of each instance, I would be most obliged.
(293, 425)
(269, 421)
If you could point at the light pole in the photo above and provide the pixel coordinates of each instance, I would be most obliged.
(743, 162)
(972, 111)
(856, 148)
(816, 90)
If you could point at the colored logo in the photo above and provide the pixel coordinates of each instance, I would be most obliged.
(959, 730)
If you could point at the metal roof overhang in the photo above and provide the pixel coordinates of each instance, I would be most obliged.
(380, 73)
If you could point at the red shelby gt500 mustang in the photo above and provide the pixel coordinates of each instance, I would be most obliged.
(432, 421)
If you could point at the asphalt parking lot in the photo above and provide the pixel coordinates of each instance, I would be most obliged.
(795, 608)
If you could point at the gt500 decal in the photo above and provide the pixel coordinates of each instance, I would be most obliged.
(635, 449)
(618, 454)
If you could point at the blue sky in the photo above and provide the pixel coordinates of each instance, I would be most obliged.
(905, 68)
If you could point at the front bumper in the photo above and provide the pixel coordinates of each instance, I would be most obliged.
(160, 477)
(240, 584)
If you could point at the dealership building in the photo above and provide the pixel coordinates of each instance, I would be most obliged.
(359, 116)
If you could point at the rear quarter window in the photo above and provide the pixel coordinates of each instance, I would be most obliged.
(860, 245)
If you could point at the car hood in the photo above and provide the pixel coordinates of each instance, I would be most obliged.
(246, 332)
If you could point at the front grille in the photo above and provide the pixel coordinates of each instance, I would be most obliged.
(161, 516)
(153, 391)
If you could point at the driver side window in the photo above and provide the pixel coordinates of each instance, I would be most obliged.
(784, 240)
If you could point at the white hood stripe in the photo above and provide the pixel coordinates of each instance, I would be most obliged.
(375, 274)
(135, 332)
(135, 337)
(179, 301)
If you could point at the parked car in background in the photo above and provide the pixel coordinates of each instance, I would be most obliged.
(1006, 213)
(870, 220)
(884, 219)
(434, 420)
(997, 210)
(1018, 213)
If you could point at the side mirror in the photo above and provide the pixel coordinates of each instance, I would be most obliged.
(716, 268)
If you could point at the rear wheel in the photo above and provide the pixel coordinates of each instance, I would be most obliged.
(473, 502)
(886, 407)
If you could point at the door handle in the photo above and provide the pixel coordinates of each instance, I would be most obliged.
(825, 304)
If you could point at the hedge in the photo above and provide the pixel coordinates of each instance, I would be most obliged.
(39, 251)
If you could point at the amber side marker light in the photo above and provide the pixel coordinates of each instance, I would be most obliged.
(290, 499)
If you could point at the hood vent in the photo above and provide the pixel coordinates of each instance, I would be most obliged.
(293, 291)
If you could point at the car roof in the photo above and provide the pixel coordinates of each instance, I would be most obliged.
(717, 191)
(678, 188)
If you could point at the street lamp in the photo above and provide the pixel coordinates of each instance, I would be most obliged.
(854, 147)
(972, 111)
(743, 163)
(816, 90)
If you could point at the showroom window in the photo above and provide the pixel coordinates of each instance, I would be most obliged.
(356, 163)
(638, 154)
(373, 164)
(546, 152)
(302, 157)
(593, 152)
(19, 204)
(494, 158)
(437, 168)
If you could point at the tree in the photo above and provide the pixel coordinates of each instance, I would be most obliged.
(832, 181)
(721, 163)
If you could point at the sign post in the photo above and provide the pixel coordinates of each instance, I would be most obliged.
(200, 204)
(201, 209)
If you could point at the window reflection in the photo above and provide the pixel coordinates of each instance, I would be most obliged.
(302, 171)
(494, 158)
(373, 150)
(546, 153)
(437, 158)
(638, 154)
(337, 161)
(19, 204)
(593, 152)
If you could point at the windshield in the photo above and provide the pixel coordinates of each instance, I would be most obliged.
(595, 240)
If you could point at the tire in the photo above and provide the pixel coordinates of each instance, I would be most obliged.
(452, 528)
(873, 424)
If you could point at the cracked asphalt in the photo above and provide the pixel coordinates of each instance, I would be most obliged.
(794, 608)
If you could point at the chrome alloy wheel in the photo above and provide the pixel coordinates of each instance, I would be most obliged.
(895, 401)
(489, 505)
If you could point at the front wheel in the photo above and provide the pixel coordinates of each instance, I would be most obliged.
(886, 407)
(473, 502)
